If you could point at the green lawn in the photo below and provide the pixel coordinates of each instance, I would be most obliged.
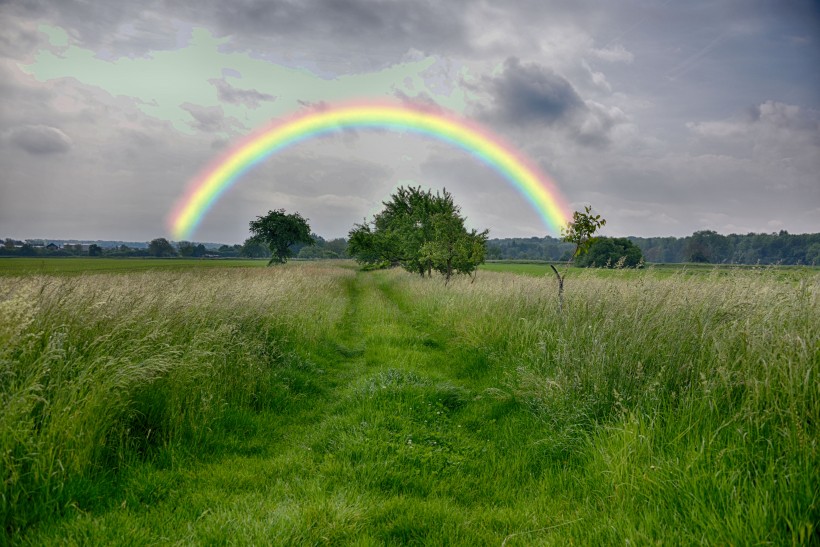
(317, 404)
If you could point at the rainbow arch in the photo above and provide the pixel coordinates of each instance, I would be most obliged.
(204, 191)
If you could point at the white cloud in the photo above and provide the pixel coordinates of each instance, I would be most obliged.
(613, 54)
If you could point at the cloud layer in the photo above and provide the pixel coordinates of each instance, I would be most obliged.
(666, 117)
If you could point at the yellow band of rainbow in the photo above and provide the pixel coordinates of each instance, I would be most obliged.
(207, 188)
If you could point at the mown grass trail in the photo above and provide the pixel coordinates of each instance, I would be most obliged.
(394, 441)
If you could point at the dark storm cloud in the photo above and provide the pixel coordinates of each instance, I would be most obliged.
(40, 139)
(530, 94)
(248, 97)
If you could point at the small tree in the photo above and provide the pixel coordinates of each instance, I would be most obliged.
(279, 231)
(253, 248)
(579, 231)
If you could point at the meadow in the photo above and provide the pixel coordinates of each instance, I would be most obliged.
(318, 404)
(80, 265)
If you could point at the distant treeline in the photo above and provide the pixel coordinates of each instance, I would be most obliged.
(162, 248)
(705, 246)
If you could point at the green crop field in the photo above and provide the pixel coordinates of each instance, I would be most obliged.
(316, 404)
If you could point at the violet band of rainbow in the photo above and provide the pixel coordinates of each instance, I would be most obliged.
(205, 191)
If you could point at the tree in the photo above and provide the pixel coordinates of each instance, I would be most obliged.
(608, 252)
(367, 246)
(452, 249)
(94, 250)
(580, 231)
(200, 250)
(338, 246)
(185, 248)
(253, 248)
(420, 231)
(706, 246)
(161, 247)
(279, 231)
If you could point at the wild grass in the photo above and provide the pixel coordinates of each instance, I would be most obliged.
(687, 403)
(315, 404)
(95, 373)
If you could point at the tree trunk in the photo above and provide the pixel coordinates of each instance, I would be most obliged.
(560, 289)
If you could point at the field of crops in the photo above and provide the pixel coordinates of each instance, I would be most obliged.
(318, 404)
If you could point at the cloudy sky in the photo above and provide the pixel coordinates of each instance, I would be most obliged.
(667, 117)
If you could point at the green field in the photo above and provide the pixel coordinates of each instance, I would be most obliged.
(317, 404)
(658, 270)
(71, 265)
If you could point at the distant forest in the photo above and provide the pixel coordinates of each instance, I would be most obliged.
(705, 246)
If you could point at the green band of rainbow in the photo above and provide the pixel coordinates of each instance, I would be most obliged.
(205, 190)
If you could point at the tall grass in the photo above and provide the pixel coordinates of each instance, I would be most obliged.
(654, 409)
(689, 403)
(98, 371)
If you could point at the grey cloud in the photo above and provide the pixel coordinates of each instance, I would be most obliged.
(422, 100)
(17, 39)
(614, 54)
(210, 119)
(595, 123)
(40, 139)
(356, 34)
(392, 25)
(785, 116)
(770, 126)
(248, 97)
(530, 94)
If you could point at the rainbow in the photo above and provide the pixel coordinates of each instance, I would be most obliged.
(206, 189)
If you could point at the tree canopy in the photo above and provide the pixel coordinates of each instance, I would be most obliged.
(420, 231)
(161, 247)
(279, 231)
(580, 231)
(609, 252)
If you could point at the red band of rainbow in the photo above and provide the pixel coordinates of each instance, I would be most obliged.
(206, 189)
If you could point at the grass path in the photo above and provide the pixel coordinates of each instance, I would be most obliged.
(395, 441)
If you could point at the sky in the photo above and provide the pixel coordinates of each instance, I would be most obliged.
(666, 117)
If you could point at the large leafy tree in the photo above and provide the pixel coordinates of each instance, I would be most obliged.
(421, 232)
(279, 231)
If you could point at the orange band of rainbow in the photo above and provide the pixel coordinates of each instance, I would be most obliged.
(205, 190)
